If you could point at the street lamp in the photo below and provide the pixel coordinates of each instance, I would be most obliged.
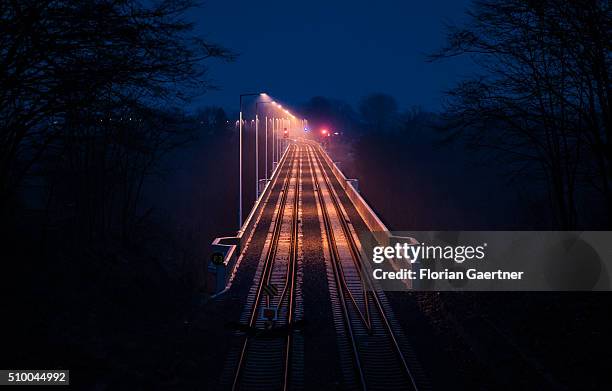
(256, 137)
(240, 160)
(275, 140)
(275, 127)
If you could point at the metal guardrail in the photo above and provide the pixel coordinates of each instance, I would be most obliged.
(219, 276)
(375, 225)
(378, 229)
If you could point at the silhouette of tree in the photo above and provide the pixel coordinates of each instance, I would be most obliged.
(379, 113)
(542, 102)
(73, 72)
(331, 113)
(213, 120)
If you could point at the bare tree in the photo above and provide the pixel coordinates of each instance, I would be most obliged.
(66, 63)
(380, 113)
(542, 102)
(213, 120)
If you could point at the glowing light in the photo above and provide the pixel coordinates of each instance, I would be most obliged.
(324, 131)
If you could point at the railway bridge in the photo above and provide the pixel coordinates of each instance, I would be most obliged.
(308, 307)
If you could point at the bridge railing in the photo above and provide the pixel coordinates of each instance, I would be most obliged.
(377, 228)
(370, 218)
(220, 276)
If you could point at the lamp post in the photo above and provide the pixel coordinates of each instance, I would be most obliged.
(256, 145)
(273, 143)
(266, 152)
(283, 145)
(275, 140)
(256, 153)
(240, 161)
(279, 128)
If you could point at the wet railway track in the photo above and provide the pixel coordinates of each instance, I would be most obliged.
(265, 360)
(269, 354)
(371, 353)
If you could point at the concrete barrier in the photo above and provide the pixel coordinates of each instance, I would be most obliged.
(216, 278)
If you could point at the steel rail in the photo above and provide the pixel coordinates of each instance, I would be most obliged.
(364, 318)
(338, 277)
(357, 260)
(267, 267)
(293, 257)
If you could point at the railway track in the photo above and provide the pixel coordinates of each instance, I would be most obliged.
(371, 353)
(266, 360)
(269, 355)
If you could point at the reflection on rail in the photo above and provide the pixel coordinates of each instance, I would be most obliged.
(370, 345)
(266, 363)
(379, 362)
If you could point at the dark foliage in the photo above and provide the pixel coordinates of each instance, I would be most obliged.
(79, 83)
(330, 113)
(97, 259)
(543, 102)
(379, 113)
